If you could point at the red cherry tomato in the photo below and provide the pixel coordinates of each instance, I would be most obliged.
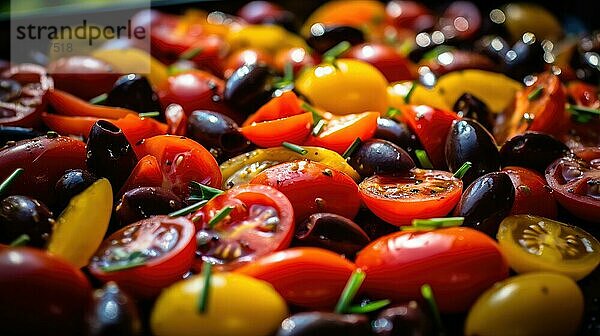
(83, 76)
(312, 187)
(458, 263)
(286, 105)
(304, 276)
(461, 19)
(386, 59)
(421, 194)
(340, 132)
(245, 56)
(298, 57)
(146, 173)
(584, 94)
(261, 221)
(257, 11)
(532, 195)
(272, 133)
(161, 247)
(409, 15)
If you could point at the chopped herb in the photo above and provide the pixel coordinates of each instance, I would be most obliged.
(423, 159)
(51, 135)
(392, 112)
(205, 192)
(10, 179)
(536, 94)
(99, 99)
(188, 209)
(369, 307)
(318, 127)
(135, 259)
(583, 109)
(190, 53)
(332, 54)
(288, 77)
(437, 51)
(434, 223)
(460, 173)
(149, 114)
(410, 92)
(349, 292)
(220, 216)
(295, 148)
(315, 114)
(203, 300)
(352, 148)
(427, 294)
(21, 240)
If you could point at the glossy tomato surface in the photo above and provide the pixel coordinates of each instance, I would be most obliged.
(532, 195)
(339, 132)
(385, 58)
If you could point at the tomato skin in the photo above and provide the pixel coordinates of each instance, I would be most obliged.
(583, 94)
(341, 131)
(146, 173)
(299, 57)
(532, 195)
(286, 105)
(148, 280)
(385, 58)
(305, 182)
(273, 133)
(459, 264)
(245, 56)
(305, 276)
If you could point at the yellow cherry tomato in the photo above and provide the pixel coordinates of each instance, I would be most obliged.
(134, 61)
(346, 87)
(80, 228)
(520, 18)
(532, 243)
(419, 95)
(269, 38)
(528, 305)
(237, 305)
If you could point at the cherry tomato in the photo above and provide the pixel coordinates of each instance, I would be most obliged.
(340, 132)
(409, 15)
(312, 187)
(305, 276)
(83, 76)
(583, 94)
(419, 194)
(385, 58)
(273, 133)
(181, 161)
(283, 106)
(262, 221)
(532, 195)
(146, 256)
(245, 56)
(298, 57)
(461, 19)
(458, 263)
(575, 180)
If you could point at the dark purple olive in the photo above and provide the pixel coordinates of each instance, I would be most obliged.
(332, 232)
(492, 46)
(469, 141)
(407, 319)
(218, 133)
(486, 202)
(532, 150)
(23, 215)
(469, 106)
(14, 133)
(324, 37)
(372, 225)
(376, 156)
(324, 323)
(109, 154)
(72, 183)
(527, 56)
(585, 59)
(113, 312)
(249, 87)
(398, 133)
(134, 92)
(143, 202)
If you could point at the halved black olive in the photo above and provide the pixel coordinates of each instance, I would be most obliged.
(532, 150)
(249, 87)
(72, 183)
(486, 202)
(323, 323)
(398, 133)
(13, 133)
(471, 107)
(324, 37)
(24, 215)
(376, 156)
(134, 92)
(113, 312)
(143, 202)
(404, 319)
(332, 232)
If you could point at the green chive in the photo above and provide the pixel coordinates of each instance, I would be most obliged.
(392, 112)
(583, 109)
(315, 114)
(99, 99)
(206, 192)
(349, 292)
(410, 92)
(22, 240)
(295, 148)
(423, 159)
(369, 307)
(10, 179)
(190, 53)
(437, 51)
(135, 259)
(463, 170)
(535, 94)
(149, 114)
(206, 273)
(188, 209)
(434, 223)
(427, 294)
(318, 127)
(288, 72)
(332, 54)
(352, 148)
(51, 135)
(220, 216)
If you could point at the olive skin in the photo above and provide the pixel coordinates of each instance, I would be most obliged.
(109, 154)
(469, 106)
(322, 323)
(469, 141)
(332, 232)
(492, 46)
(249, 88)
(376, 156)
(144, 202)
(112, 312)
(134, 92)
(525, 57)
(398, 133)
(218, 133)
(24, 215)
(9, 89)
(14, 133)
(406, 319)
(72, 183)
(324, 37)
(486, 202)
(532, 150)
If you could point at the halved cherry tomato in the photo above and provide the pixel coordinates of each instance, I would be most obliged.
(420, 194)
(312, 187)
(340, 131)
(181, 161)
(532, 195)
(286, 105)
(584, 94)
(431, 126)
(575, 180)
(385, 58)
(146, 256)
(262, 221)
(273, 133)
(458, 263)
(68, 105)
(305, 276)
(146, 173)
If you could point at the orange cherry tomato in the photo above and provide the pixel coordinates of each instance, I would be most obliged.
(340, 131)
(272, 133)
(283, 106)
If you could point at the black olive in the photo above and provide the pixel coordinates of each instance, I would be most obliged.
(376, 156)
(398, 133)
(143, 202)
(23, 215)
(486, 202)
(13, 133)
(324, 37)
(492, 46)
(113, 312)
(109, 154)
(332, 232)
(405, 319)
(9, 90)
(72, 183)
(249, 87)
(285, 19)
(373, 226)
(471, 107)
(218, 133)
(469, 141)
(526, 57)
(532, 150)
(585, 59)
(134, 92)
(323, 323)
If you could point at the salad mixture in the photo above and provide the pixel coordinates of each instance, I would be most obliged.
(380, 169)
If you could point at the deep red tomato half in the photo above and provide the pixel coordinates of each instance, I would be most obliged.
(386, 59)
(312, 187)
(146, 173)
(458, 263)
(273, 133)
(532, 195)
(261, 221)
(420, 194)
(575, 180)
(304, 276)
(160, 249)
(340, 132)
